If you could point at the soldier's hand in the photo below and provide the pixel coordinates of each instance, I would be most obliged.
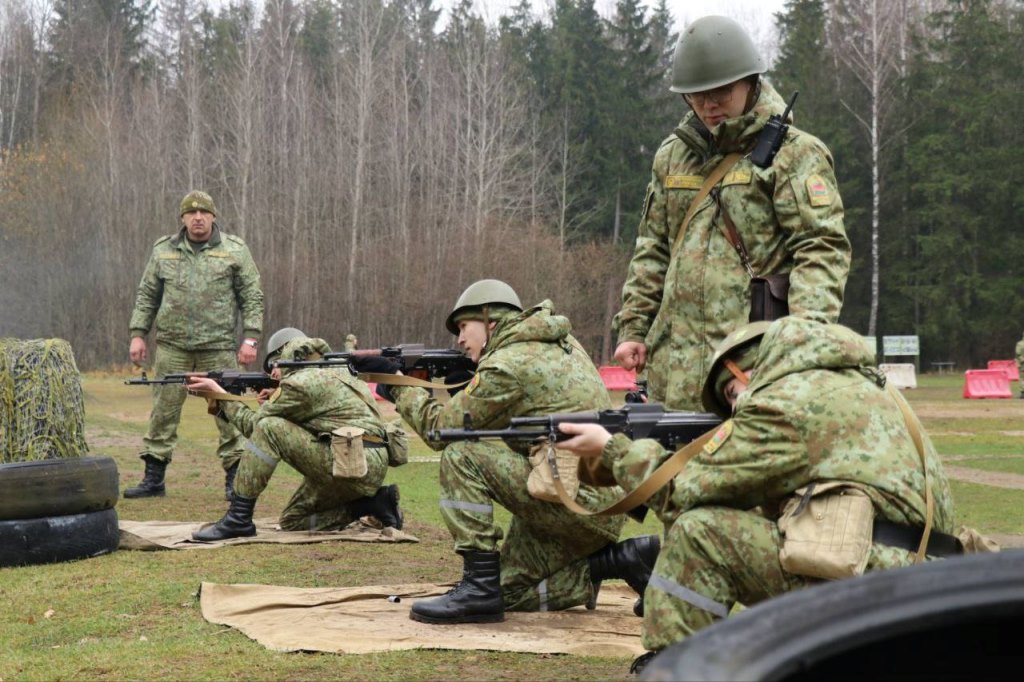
(246, 354)
(631, 355)
(588, 440)
(204, 384)
(137, 351)
(264, 395)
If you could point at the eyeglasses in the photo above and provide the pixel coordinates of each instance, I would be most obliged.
(720, 95)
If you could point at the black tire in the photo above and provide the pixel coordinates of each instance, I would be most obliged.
(57, 487)
(953, 619)
(58, 538)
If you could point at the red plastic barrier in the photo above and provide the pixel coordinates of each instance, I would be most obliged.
(1008, 366)
(616, 378)
(986, 383)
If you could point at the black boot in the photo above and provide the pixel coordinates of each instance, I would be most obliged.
(229, 481)
(152, 484)
(630, 560)
(476, 599)
(237, 522)
(641, 662)
(383, 506)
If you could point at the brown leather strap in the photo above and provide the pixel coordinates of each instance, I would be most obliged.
(661, 476)
(716, 176)
(732, 235)
(929, 499)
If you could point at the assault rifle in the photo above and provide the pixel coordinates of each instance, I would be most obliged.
(231, 380)
(635, 420)
(414, 358)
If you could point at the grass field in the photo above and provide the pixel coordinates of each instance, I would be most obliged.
(134, 615)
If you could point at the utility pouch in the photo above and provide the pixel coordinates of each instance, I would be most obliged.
(347, 449)
(826, 531)
(541, 483)
(397, 443)
(769, 297)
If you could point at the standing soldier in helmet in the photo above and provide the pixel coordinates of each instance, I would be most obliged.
(197, 284)
(551, 559)
(821, 471)
(294, 424)
(687, 288)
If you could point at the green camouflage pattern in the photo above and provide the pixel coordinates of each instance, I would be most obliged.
(162, 433)
(197, 200)
(789, 216)
(815, 410)
(294, 426)
(195, 298)
(1019, 355)
(531, 366)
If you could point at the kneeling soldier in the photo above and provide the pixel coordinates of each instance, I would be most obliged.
(551, 558)
(295, 424)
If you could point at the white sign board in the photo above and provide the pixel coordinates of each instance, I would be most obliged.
(900, 345)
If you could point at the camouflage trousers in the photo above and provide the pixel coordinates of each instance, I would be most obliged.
(321, 502)
(714, 557)
(162, 434)
(544, 554)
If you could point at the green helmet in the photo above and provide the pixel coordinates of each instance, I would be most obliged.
(196, 200)
(486, 292)
(277, 341)
(732, 345)
(712, 52)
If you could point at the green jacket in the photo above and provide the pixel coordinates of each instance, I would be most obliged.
(531, 366)
(195, 298)
(789, 216)
(815, 410)
(318, 400)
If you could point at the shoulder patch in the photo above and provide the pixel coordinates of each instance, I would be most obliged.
(684, 181)
(722, 435)
(274, 395)
(818, 193)
(474, 382)
(233, 238)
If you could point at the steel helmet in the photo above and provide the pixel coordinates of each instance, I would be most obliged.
(712, 52)
(486, 292)
(277, 341)
(747, 335)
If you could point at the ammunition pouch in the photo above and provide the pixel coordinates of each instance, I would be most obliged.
(826, 531)
(541, 481)
(769, 297)
(347, 452)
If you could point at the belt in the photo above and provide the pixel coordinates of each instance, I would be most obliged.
(909, 538)
(371, 445)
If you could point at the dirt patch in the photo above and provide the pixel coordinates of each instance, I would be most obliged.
(996, 479)
(1007, 541)
(970, 409)
(108, 440)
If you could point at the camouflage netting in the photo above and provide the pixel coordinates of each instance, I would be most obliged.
(42, 415)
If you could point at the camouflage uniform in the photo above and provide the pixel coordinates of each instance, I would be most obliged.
(351, 343)
(815, 410)
(789, 216)
(294, 425)
(195, 298)
(531, 366)
(1019, 353)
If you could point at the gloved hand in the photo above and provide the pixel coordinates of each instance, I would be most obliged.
(457, 377)
(375, 364)
(384, 391)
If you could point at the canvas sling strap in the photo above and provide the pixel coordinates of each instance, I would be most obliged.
(716, 176)
(661, 476)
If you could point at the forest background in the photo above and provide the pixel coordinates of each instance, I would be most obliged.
(377, 157)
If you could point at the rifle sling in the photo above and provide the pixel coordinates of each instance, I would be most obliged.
(403, 380)
(661, 476)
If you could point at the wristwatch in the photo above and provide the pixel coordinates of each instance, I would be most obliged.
(251, 343)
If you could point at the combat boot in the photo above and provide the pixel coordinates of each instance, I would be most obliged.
(152, 484)
(476, 598)
(229, 481)
(383, 506)
(630, 560)
(237, 522)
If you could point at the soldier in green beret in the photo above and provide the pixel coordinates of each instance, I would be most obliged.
(550, 559)
(196, 287)
(686, 289)
(821, 471)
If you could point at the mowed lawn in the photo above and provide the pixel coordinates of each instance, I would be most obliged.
(135, 615)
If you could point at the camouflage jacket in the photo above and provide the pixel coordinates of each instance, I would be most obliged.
(531, 366)
(789, 216)
(318, 400)
(195, 297)
(1019, 355)
(815, 410)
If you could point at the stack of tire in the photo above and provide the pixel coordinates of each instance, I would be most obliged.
(57, 510)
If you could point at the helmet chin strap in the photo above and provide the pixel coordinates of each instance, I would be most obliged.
(487, 329)
(736, 372)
